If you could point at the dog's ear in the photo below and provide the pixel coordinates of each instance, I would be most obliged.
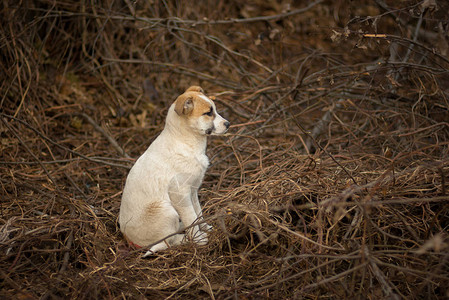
(184, 105)
(195, 88)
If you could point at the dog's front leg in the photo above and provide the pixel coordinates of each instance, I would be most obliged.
(182, 200)
(188, 216)
(196, 205)
(196, 202)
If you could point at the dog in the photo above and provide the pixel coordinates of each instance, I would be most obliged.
(160, 197)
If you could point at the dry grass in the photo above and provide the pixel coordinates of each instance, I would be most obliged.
(332, 183)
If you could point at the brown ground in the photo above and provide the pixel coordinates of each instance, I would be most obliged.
(331, 184)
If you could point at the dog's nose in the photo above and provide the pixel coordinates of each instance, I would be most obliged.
(227, 124)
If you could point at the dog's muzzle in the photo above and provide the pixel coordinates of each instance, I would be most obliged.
(220, 126)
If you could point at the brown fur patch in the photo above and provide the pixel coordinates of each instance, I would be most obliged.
(200, 106)
(153, 209)
(184, 104)
(195, 88)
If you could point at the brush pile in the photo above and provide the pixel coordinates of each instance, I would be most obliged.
(333, 181)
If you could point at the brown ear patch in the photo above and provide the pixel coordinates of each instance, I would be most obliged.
(195, 88)
(184, 105)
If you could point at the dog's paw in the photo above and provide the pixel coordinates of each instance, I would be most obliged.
(148, 253)
(200, 238)
(206, 227)
(155, 248)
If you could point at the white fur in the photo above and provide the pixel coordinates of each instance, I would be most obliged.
(160, 196)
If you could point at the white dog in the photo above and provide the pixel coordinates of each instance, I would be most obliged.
(160, 196)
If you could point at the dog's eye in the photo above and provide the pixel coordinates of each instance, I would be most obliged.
(209, 113)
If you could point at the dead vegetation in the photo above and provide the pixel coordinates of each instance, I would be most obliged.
(333, 180)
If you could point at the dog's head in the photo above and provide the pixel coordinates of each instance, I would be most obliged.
(200, 112)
